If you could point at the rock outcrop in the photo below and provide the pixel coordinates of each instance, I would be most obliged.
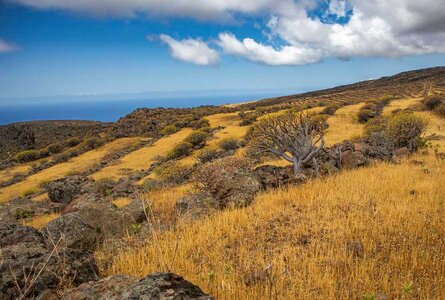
(166, 286)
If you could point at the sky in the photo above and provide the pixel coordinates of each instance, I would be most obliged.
(52, 48)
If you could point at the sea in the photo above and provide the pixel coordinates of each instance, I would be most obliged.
(110, 109)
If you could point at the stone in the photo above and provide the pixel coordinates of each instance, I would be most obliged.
(353, 159)
(165, 286)
(30, 265)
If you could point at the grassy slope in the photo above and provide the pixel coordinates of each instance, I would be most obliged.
(395, 211)
(77, 164)
(142, 158)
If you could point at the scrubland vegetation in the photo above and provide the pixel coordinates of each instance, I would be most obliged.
(210, 194)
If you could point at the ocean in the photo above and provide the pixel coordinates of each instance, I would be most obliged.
(111, 110)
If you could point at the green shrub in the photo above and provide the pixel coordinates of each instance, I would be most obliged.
(197, 138)
(89, 144)
(61, 157)
(169, 129)
(54, 148)
(431, 102)
(180, 150)
(27, 155)
(202, 123)
(71, 142)
(249, 119)
(172, 173)
(228, 144)
(364, 115)
(330, 109)
(206, 155)
(29, 192)
(440, 110)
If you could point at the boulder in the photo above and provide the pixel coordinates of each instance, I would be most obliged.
(31, 266)
(166, 286)
(73, 231)
(136, 210)
(273, 176)
(65, 189)
(103, 215)
(352, 159)
(400, 152)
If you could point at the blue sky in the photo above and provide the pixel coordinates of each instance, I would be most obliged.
(53, 47)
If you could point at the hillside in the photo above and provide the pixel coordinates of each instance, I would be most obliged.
(189, 191)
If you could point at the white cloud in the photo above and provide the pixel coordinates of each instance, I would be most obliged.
(7, 47)
(191, 50)
(257, 52)
(388, 28)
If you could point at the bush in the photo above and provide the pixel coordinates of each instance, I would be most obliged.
(54, 148)
(61, 157)
(180, 150)
(248, 120)
(228, 180)
(73, 142)
(89, 144)
(440, 110)
(197, 138)
(27, 155)
(172, 173)
(330, 109)
(28, 192)
(169, 129)
(364, 115)
(228, 144)
(404, 129)
(202, 123)
(207, 155)
(432, 102)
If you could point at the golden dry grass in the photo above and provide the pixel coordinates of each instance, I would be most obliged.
(77, 164)
(121, 202)
(231, 123)
(343, 124)
(400, 104)
(8, 174)
(40, 221)
(310, 238)
(141, 159)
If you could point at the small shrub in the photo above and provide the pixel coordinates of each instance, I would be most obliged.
(54, 148)
(180, 150)
(440, 110)
(169, 129)
(228, 144)
(61, 157)
(365, 115)
(248, 120)
(29, 192)
(89, 144)
(202, 123)
(27, 155)
(207, 155)
(71, 142)
(172, 173)
(330, 109)
(105, 186)
(197, 138)
(431, 102)
(407, 129)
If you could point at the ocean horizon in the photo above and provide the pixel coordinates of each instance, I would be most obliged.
(106, 110)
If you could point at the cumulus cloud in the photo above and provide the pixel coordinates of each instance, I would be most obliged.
(7, 47)
(200, 9)
(257, 52)
(388, 28)
(191, 50)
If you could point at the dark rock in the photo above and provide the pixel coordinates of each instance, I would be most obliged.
(353, 159)
(194, 206)
(402, 152)
(103, 215)
(273, 176)
(65, 189)
(123, 188)
(166, 286)
(136, 210)
(31, 266)
(73, 231)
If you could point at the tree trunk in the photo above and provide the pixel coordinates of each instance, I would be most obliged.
(297, 167)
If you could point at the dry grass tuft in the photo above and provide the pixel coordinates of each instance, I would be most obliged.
(121, 202)
(363, 232)
(40, 221)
